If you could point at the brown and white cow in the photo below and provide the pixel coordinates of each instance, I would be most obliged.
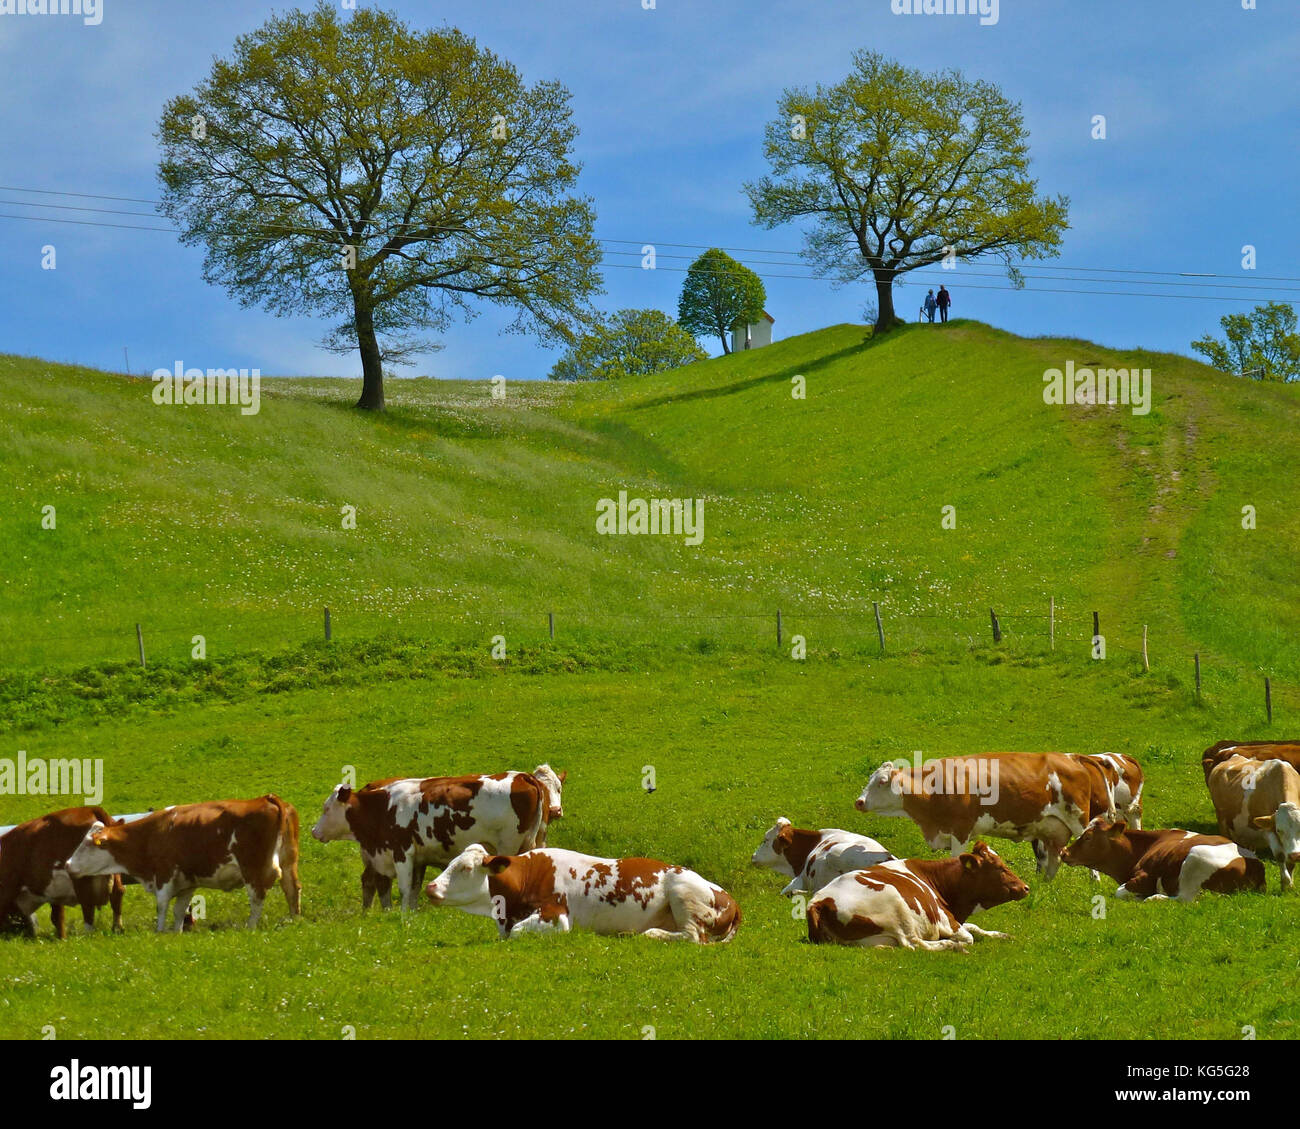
(1288, 751)
(219, 845)
(1172, 863)
(1116, 786)
(1258, 805)
(549, 889)
(405, 825)
(33, 871)
(1044, 798)
(813, 858)
(914, 903)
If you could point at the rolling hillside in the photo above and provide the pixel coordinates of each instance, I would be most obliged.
(477, 514)
(477, 517)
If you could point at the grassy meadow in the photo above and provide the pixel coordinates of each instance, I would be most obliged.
(475, 517)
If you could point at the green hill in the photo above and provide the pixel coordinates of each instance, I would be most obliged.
(475, 513)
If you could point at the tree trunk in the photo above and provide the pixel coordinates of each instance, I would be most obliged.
(886, 319)
(725, 347)
(372, 364)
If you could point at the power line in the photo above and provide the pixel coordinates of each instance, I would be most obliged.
(1032, 264)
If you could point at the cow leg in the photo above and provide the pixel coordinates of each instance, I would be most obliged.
(1040, 855)
(977, 933)
(162, 898)
(540, 922)
(1286, 868)
(406, 881)
(181, 920)
(948, 943)
(59, 920)
(1052, 848)
(115, 892)
(91, 894)
(256, 900)
(292, 888)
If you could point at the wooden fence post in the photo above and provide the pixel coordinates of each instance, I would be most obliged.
(139, 642)
(1051, 620)
(327, 625)
(880, 627)
(1096, 625)
(997, 631)
(550, 622)
(1268, 700)
(1197, 659)
(778, 629)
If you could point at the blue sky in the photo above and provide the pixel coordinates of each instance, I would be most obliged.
(1203, 121)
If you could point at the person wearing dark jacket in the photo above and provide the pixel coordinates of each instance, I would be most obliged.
(944, 300)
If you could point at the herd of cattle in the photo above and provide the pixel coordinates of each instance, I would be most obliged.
(488, 835)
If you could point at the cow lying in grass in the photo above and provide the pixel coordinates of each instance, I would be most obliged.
(1151, 865)
(813, 858)
(548, 889)
(914, 903)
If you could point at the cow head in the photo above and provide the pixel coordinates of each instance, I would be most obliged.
(333, 823)
(464, 881)
(884, 791)
(92, 856)
(1283, 830)
(771, 853)
(989, 880)
(554, 785)
(1102, 845)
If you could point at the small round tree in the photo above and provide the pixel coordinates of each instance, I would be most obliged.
(630, 343)
(719, 295)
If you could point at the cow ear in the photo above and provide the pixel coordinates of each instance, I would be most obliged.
(497, 863)
(344, 793)
(564, 776)
(1264, 822)
(1117, 828)
(969, 861)
(784, 837)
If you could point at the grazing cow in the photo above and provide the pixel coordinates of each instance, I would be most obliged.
(813, 858)
(1179, 863)
(1258, 805)
(1288, 751)
(33, 874)
(219, 845)
(914, 903)
(548, 889)
(1044, 798)
(405, 825)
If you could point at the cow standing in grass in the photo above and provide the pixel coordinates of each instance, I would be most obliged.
(33, 873)
(220, 845)
(404, 825)
(1258, 805)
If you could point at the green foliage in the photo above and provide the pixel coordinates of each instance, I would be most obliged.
(896, 168)
(719, 295)
(628, 343)
(423, 155)
(1263, 344)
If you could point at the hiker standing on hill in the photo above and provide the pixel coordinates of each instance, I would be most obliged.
(929, 305)
(944, 300)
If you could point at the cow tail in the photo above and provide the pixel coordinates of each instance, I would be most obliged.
(287, 841)
(542, 819)
(816, 929)
(727, 921)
